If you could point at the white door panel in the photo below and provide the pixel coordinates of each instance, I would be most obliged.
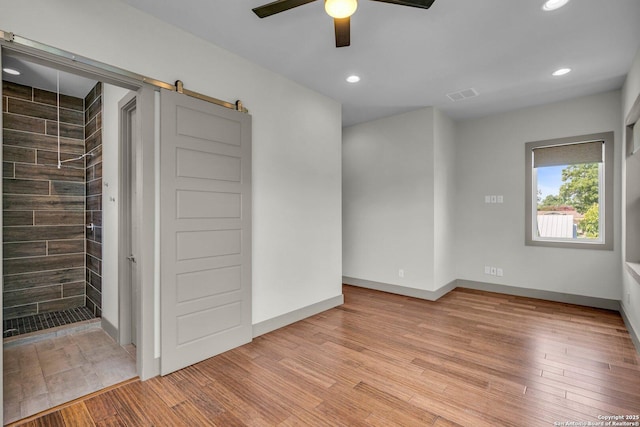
(205, 219)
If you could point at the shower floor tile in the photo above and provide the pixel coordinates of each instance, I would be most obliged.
(40, 322)
(40, 375)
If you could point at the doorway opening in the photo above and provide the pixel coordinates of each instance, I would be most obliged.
(60, 220)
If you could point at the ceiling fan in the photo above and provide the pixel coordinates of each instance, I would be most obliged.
(339, 10)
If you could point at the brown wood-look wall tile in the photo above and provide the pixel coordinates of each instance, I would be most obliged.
(59, 247)
(66, 130)
(25, 186)
(31, 109)
(24, 170)
(93, 125)
(50, 158)
(23, 203)
(94, 203)
(61, 304)
(94, 249)
(66, 188)
(15, 90)
(59, 217)
(93, 94)
(94, 217)
(66, 101)
(94, 280)
(28, 265)
(10, 218)
(42, 278)
(28, 296)
(93, 176)
(94, 264)
(41, 141)
(90, 174)
(23, 123)
(73, 289)
(8, 170)
(94, 295)
(94, 187)
(95, 157)
(98, 170)
(93, 109)
(95, 234)
(91, 306)
(18, 154)
(19, 311)
(24, 249)
(93, 141)
(49, 232)
(42, 111)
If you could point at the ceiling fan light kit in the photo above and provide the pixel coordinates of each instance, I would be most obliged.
(339, 10)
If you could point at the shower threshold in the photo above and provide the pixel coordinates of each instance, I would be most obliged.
(45, 321)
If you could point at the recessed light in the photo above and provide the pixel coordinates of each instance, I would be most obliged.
(11, 71)
(550, 5)
(561, 72)
(353, 79)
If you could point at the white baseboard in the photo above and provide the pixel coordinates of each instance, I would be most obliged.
(608, 304)
(632, 332)
(400, 290)
(297, 315)
(111, 330)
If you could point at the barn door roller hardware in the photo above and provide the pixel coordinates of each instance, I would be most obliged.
(237, 106)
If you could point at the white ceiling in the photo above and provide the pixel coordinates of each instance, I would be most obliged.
(410, 58)
(41, 77)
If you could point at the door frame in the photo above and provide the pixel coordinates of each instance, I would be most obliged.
(147, 357)
(127, 169)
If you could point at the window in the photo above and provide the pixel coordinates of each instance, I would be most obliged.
(569, 192)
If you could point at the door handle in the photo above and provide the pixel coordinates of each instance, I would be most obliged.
(131, 258)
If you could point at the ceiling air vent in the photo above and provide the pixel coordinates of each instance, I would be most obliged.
(463, 94)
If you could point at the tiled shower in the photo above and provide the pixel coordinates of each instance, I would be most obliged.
(52, 226)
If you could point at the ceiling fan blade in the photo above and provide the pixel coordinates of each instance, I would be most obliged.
(278, 6)
(343, 31)
(423, 4)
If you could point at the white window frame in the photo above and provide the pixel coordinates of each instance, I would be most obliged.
(605, 238)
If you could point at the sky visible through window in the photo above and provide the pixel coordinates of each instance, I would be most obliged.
(549, 180)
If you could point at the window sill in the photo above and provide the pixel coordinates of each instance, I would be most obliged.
(634, 269)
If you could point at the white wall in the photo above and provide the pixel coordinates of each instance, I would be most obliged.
(111, 95)
(388, 200)
(630, 287)
(444, 200)
(296, 136)
(398, 200)
(490, 161)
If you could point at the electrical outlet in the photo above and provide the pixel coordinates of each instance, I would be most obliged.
(494, 199)
(499, 272)
(401, 273)
(500, 199)
(487, 269)
(494, 271)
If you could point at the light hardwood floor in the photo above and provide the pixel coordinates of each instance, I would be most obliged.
(472, 358)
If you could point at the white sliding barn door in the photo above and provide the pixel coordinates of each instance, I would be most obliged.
(205, 234)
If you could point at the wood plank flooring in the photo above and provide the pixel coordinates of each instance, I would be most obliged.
(472, 358)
